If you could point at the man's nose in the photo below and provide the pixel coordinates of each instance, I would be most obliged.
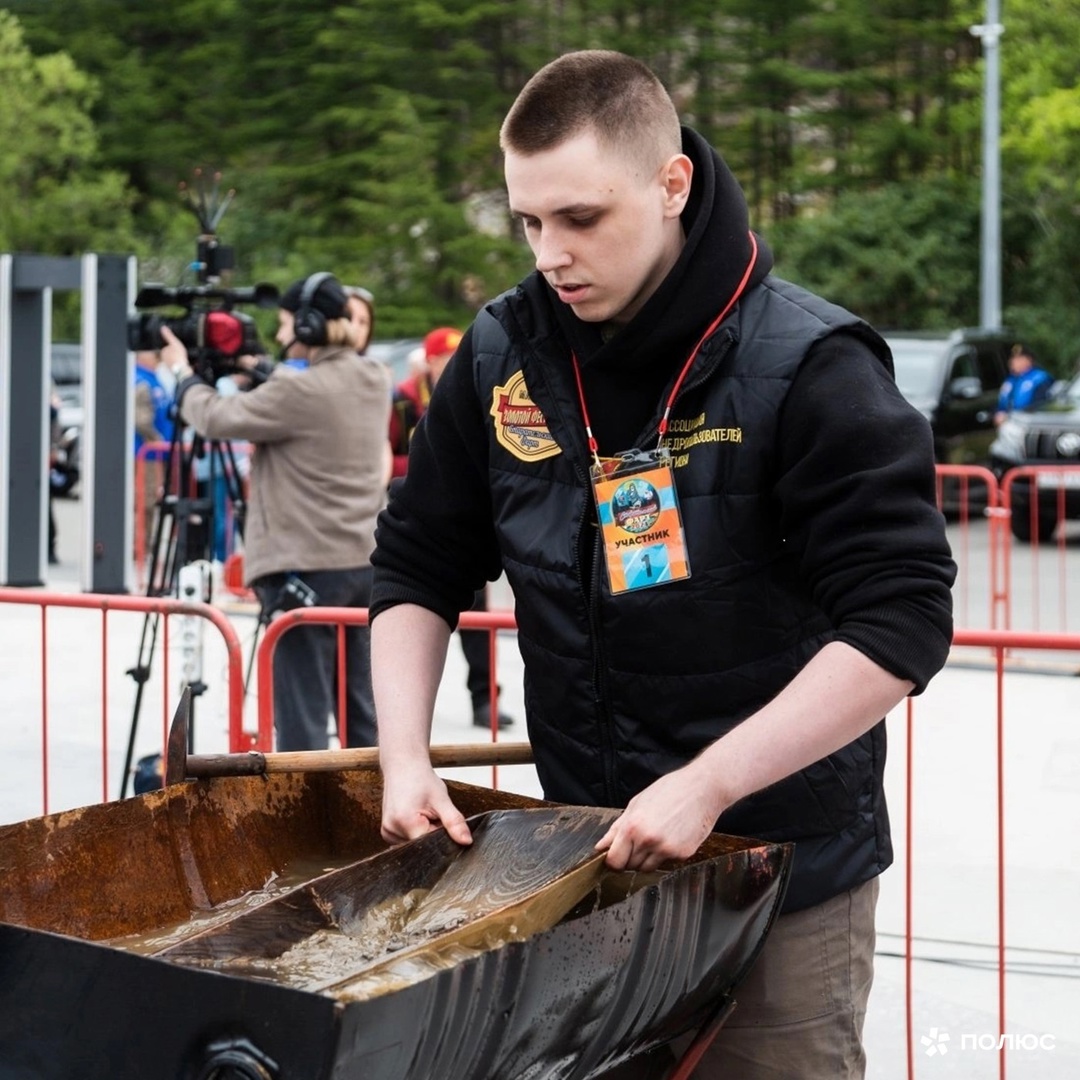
(551, 253)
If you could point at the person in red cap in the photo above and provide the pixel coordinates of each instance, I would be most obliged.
(412, 395)
(410, 402)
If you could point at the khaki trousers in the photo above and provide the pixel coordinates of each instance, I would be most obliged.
(799, 1014)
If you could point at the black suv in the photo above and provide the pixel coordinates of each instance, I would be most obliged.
(1048, 435)
(954, 380)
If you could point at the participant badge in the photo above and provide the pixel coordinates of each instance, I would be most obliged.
(638, 506)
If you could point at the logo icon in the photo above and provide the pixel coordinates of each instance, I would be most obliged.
(635, 506)
(520, 426)
(937, 1042)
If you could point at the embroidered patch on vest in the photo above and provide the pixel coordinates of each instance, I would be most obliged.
(520, 426)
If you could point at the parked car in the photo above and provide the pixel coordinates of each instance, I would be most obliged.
(395, 354)
(954, 379)
(1048, 435)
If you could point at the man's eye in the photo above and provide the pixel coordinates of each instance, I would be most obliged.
(583, 223)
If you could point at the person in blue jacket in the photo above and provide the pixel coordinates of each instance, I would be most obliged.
(153, 423)
(1027, 385)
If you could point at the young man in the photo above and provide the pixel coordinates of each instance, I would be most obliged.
(728, 668)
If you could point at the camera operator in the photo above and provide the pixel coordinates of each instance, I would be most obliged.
(318, 480)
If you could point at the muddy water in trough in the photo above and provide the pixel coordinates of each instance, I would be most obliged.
(365, 929)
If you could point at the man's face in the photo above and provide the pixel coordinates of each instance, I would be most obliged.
(437, 365)
(604, 233)
(286, 333)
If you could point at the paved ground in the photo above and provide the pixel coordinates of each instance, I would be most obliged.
(954, 824)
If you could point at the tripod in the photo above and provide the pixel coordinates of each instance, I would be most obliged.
(182, 546)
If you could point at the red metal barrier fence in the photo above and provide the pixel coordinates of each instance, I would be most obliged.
(1001, 802)
(970, 497)
(1016, 547)
(63, 665)
(1006, 801)
(1036, 501)
(263, 739)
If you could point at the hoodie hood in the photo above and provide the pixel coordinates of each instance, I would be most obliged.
(714, 258)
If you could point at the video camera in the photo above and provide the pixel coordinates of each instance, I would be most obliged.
(213, 333)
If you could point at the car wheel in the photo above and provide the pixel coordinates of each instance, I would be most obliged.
(1020, 523)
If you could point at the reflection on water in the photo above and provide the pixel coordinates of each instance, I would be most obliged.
(297, 873)
(356, 930)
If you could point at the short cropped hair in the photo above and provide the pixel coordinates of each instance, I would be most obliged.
(609, 93)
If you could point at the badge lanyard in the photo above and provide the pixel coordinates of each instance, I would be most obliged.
(636, 498)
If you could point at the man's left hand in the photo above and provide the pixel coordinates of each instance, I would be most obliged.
(668, 820)
(175, 355)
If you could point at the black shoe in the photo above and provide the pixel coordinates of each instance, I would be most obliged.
(481, 717)
(54, 559)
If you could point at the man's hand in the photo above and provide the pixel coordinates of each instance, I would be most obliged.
(668, 820)
(671, 817)
(416, 802)
(175, 355)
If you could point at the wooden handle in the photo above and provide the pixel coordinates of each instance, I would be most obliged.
(365, 757)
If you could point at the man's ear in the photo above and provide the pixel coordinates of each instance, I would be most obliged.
(675, 177)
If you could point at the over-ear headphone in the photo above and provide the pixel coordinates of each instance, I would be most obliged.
(309, 324)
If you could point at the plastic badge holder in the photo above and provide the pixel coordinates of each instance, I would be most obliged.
(638, 507)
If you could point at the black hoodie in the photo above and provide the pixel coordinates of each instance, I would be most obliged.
(624, 378)
(819, 526)
(440, 562)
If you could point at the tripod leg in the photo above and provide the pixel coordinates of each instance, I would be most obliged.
(259, 625)
(183, 536)
(171, 521)
(140, 673)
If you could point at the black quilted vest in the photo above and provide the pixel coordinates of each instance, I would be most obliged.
(622, 689)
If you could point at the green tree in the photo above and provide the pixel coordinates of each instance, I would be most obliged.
(902, 256)
(1041, 170)
(363, 137)
(54, 196)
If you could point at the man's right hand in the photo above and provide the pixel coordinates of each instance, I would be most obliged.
(408, 650)
(416, 802)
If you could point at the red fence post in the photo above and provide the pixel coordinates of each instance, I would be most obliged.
(163, 606)
(263, 740)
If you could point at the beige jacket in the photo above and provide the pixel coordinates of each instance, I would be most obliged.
(317, 477)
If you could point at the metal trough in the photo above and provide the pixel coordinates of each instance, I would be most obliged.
(124, 927)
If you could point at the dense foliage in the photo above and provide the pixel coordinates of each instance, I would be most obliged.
(362, 137)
